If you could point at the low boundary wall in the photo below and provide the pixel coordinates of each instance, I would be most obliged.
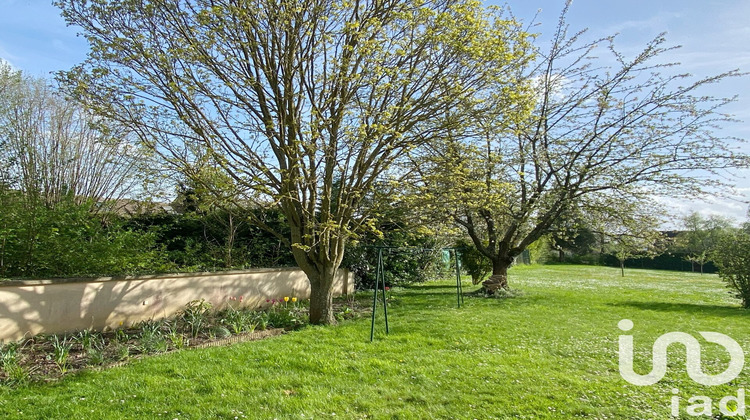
(30, 307)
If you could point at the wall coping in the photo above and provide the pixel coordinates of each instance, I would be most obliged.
(164, 276)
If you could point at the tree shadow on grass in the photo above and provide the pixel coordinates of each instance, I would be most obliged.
(415, 290)
(716, 310)
(402, 295)
(448, 295)
(431, 287)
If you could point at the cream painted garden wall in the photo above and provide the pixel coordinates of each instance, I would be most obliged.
(29, 307)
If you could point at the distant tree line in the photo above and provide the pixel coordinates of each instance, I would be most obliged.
(692, 246)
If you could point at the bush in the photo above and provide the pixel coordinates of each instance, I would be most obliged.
(69, 240)
(732, 256)
(203, 240)
(403, 265)
(473, 262)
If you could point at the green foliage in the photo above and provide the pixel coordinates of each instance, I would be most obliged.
(61, 352)
(19, 360)
(121, 336)
(415, 263)
(194, 315)
(120, 351)
(175, 337)
(541, 251)
(732, 255)
(196, 240)
(69, 240)
(573, 237)
(151, 338)
(15, 374)
(262, 320)
(93, 344)
(411, 251)
(354, 87)
(626, 245)
(629, 231)
(95, 356)
(584, 131)
(238, 320)
(9, 354)
(473, 262)
(88, 339)
(345, 313)
(220, 331)
(290, 317)
(701, 238)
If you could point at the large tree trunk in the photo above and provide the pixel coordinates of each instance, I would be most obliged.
(499, 278)
(321, 295)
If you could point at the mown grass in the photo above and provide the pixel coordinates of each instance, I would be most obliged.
(549, 353)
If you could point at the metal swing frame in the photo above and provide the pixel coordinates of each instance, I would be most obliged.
(380, 284)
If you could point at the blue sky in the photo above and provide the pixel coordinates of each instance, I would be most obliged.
(714, 35)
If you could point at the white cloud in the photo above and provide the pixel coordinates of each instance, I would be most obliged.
(6, 57)
(732, 208)
(654, 25)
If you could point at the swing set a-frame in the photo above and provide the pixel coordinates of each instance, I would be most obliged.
(380, 281)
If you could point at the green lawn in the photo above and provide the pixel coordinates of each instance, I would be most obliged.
(549, 353)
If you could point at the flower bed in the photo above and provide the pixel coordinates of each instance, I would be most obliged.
(49, 357)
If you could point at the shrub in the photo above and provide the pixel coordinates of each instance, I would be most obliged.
(199, 238)
(541, 251)
(732, 256)
(69, 240)
(473, 262)
(407, 262)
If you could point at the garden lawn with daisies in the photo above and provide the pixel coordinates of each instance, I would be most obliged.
(548, 351)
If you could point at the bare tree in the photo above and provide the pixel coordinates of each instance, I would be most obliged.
(304, 103)
(53, 147)
(701, 237)
(588, 136)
